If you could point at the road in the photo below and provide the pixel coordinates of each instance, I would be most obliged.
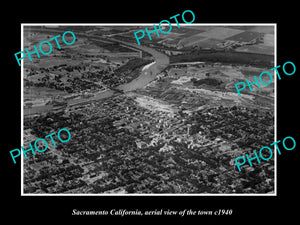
(146, 76)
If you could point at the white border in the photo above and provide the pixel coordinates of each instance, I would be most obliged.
(22, 111)
(150, 24)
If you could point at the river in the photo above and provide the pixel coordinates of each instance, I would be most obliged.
(146, 76)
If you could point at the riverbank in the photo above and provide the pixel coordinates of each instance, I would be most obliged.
(147, 75)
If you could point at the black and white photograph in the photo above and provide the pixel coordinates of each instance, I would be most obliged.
(162, 117)
(149, 113)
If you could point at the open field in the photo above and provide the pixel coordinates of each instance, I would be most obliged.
(269, 40)
(267, 47)
(37, 92)
(112, 47)
(217, 37)
(187, 31)
(198, 28)
(192, 40)
(33, 38)
(244, 36)
(76, 28)
(207, 43)
(250, 72)
(261, 29)
(204, 36)
(260, 49)
(221, 33)
(46, 61)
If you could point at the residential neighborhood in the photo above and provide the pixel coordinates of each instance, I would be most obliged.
(144, 121)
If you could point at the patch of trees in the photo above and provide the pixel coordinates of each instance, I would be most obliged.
(207, 81)
(259, 60)
(132, 65)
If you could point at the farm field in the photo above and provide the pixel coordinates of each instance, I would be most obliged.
(267, 47)
(260, 49)
(245, 36)
(269, 40)
(205, 36)
(208, 43)
(187, 31)
(199, 28)
(215, 37)
(221, 33)
(192, 40)
(263, 29)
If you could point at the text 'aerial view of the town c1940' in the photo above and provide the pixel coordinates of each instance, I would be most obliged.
(162, 117)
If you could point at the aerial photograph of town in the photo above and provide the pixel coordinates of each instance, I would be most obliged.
(162, 117)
